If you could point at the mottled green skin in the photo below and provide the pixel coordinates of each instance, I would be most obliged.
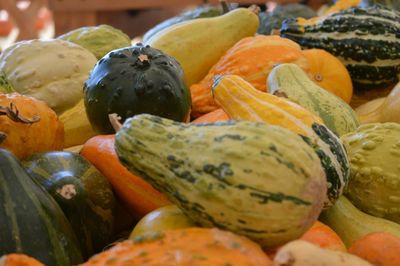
(98, 39)
(5, 86)
(237, 175)
(31, 221)
(374, 153)
(89, 203)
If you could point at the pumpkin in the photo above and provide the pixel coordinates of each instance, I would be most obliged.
(251, 58)
(28, 125)
(329, 73)
(15, 259)
(322, 235)
(137, 195)
(191, 246)
(214, 116)
(379, 248)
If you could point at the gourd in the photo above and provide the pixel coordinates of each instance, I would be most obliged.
(31, 221)
(164, 218)
(64, 67)
(329, 73)
(391, 4)
(205, 171)
(16, 259)
(77, 128)
(214, 116)
(191, 246)
(251, 58)
(242, 101)
(83, 194)
(303, 253)
(293, 83)
(28, 126)
(374, 153)
(366, 40)
(134, 80)
(138, 196)
(323, 236)
(5, 86)
(340, 5)
(352, 224)
(195, 52)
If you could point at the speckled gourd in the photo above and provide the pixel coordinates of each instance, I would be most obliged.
(374, 153)
(237, 175)
(290, 81)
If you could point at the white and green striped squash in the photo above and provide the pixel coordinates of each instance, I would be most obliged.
(236, 175)
(292, 82)
(366, 40)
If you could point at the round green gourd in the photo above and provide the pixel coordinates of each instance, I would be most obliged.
(5, 86)
(374, 153)
(238, 175)
(135, 80)
(82, 192)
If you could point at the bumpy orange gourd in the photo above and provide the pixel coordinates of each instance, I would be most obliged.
(379, 248)
(182, 247)
(24, 139)
(240, 100)
(18, 260)
(214, 116)
(252, 58)
(329, 73)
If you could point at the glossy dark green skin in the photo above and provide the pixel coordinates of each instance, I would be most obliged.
(31, 222)
(125, 83)
(82, 192)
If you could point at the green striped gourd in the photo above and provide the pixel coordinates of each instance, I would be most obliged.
(31, 222)
(237, 175)
(366, 40)
(82, 192)
(292, 82)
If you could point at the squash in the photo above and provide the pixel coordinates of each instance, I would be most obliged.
(138, 196)
(293, 83)
(379, 248)
(134, 80)
(214, 116)
(242, 101)
(341, 5)
(164, 218)
(28, 125)
(31, 221)
(366, 40)
(190, 42)
(374, 153)
(5, 86)
(323, 236)
(204, 169)
(391, 4)
(329, 73)
(252, 59)
(82, 192)
(352, 224)
(191, 246)
(303, 253)
(370, 112)
(15, 259)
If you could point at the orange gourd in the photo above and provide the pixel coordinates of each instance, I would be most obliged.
(28, 126)
(379, 248)
(181, 247)
(329, 73)
(15, 259)
(137, 195)
(214, 116)
(341, 5)
(322, 235)
(252, 58)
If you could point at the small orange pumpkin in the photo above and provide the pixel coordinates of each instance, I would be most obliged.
(329, 73)
(214, 116)
(324, 237)
(15, 259)
(189, 246)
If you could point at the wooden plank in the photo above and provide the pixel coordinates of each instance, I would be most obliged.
(65, 21)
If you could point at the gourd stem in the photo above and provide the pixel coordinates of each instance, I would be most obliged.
(114, 120)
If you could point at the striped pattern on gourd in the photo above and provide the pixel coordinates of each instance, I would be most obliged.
(366, 40)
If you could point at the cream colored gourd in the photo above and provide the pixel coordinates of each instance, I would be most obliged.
(288, 80)
(198, 44)
(303, 253)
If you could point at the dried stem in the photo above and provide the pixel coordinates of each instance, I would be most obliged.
(114, 120)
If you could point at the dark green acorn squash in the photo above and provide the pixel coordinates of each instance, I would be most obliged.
(31, 222)
(135, 80)
(366, 40)
(82, 192)
(205, 11)
(393, 4)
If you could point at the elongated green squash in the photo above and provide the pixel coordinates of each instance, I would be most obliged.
(366, 40)
(237, 175)
(31, 222)
(292, 82)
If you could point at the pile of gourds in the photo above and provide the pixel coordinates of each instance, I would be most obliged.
(208, 144)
